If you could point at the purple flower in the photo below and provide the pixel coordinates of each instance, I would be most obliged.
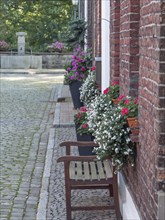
(77, 74)
(71, 77)
(73, 63)
(82, 76)
(74, 68)
(68, 69)
(74, 57)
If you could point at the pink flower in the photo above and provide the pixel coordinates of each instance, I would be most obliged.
(124, 111)
(84, 126)
(83, 68)
(127, 101)
(83, 109)
(136, 101)
(79, 115)
(93, 68)
(106, 91)
(121, 97)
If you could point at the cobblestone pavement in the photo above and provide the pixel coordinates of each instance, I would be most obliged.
(56, 205)
(27, 107)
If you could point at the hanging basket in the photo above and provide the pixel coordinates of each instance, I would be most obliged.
(133, 122)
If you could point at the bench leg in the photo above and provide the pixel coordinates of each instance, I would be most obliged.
(68, 202)
(116, 199)
(110, 190)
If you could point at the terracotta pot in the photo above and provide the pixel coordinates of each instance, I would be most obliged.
(115, 101)
(133, 122)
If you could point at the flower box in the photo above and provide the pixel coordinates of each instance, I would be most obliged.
(75, 93)
(133, 122)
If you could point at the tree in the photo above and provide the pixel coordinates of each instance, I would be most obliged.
(43, 20)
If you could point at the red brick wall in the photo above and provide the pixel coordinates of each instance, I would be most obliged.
(138, 60)
(97, 23)
(129, 46)
(115, 39)
(146, 178)
(161, 103)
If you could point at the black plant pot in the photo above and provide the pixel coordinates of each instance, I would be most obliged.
(75, 93)
(84, 151)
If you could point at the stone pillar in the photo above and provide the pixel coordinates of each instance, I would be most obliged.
(21, 42)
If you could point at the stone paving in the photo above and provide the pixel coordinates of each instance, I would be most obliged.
(56, 209)
(32, 182)
(27, 108)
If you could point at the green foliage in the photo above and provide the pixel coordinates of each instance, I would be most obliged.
(42, 20)
(75, 34)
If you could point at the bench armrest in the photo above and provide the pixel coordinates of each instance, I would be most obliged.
(76, 158)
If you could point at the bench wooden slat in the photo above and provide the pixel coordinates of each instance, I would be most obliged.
(79, 175)
(107, 169)
(86, 171)
(100, 170)
(72, 170)
(93, 171)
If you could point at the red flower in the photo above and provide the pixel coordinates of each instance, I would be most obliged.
(136, 101)
(124, 111)
(93, 68)
(106, 91)
(83, 109)
(113, 83)
(84, 126)
(121, 97)
(83, 68)
(79, 115)
(127, 101)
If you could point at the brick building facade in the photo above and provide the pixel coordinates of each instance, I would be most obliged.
(137, 60)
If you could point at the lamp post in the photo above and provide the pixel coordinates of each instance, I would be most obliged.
(75, 3)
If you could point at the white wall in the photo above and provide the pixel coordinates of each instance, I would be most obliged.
(105, 42)
(127, 206)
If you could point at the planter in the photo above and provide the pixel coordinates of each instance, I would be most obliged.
(75, 93)
(133, 122)
(115, 101)
(85, 151)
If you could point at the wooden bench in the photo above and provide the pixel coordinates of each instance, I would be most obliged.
(86, 172)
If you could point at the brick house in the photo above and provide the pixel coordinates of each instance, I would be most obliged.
(129, 38)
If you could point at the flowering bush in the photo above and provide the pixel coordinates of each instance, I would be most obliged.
(112, 135)
(80, 119)
(129, 106)
(88, 90)
(57, 46)
(113, 90)
(99, 106)
(4, 44)
(80, 64)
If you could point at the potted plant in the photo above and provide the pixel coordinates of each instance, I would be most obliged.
(77, 71)
(82, 131)
(113, 136)
(89, 90)
(113, 91)
(129, 109)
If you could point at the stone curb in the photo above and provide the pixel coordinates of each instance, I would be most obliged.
(44, 193)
